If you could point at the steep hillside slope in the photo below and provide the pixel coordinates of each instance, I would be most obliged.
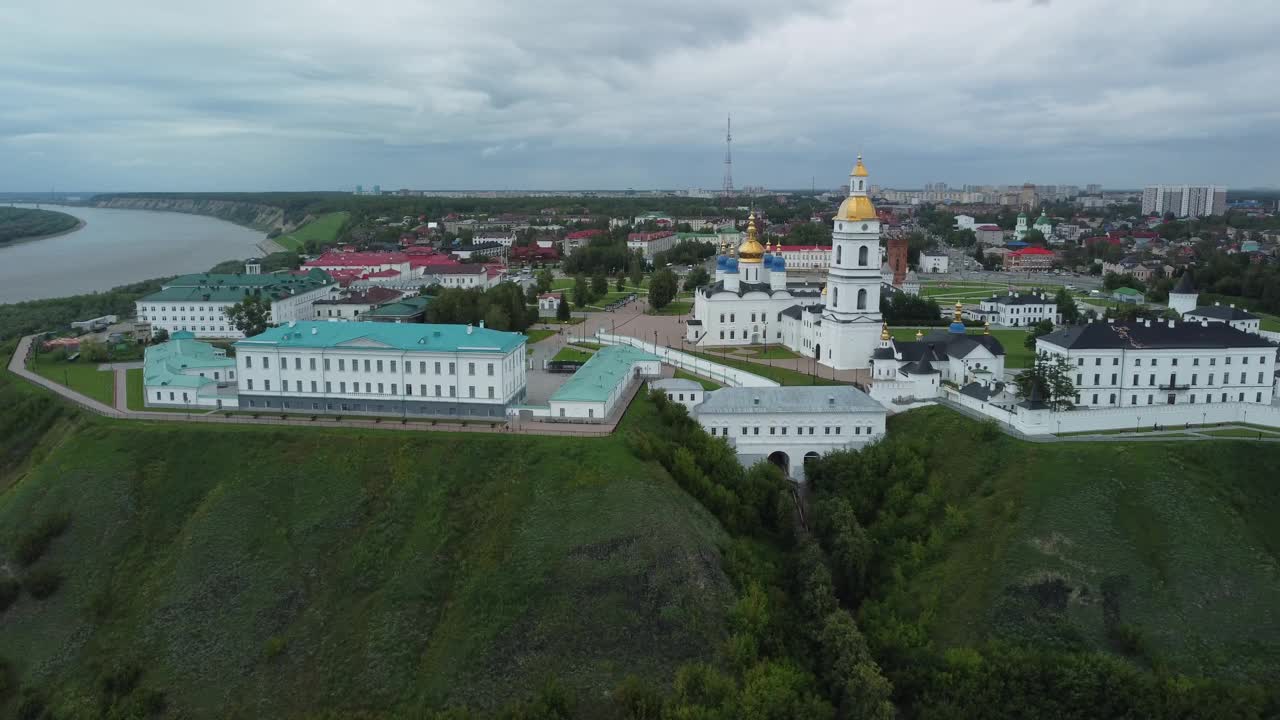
(276, 573)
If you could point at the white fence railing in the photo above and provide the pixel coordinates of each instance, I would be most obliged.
(723, 374)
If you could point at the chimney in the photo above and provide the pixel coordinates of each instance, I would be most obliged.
(1170, 323)
(1204, 323)
(1111, 321)
(469, 328)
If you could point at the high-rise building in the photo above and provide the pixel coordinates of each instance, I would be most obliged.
(1184, 200)
(1092, 189)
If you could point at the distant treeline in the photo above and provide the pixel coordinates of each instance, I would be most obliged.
(19, 223)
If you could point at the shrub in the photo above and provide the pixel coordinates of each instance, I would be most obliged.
(41, 583)
(274, 646)
(32, 544)
(9, 590)
(8, 681)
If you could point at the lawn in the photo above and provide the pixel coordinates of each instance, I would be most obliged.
(783, 376)
(1016, 355)
(1239, 433)
(572, 354)
(675, 307)
(705, 383)
(81, 375)
(282, 572)
(1175, 541)
(323, 230)
(768, 352)
(538, 335)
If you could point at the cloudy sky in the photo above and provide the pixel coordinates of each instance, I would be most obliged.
(325, 94)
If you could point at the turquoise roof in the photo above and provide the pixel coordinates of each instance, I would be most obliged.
(407, 307)
(164, 364)
(607, 369)
(401, 336)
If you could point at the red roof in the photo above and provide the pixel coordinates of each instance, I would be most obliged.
(1033, 250)
(431, 261)
(384, 274)
(987, 227)
(534, 251)
(357, 259)
(583, 234)
(547, 296)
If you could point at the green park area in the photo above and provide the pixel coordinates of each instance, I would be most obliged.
(80, 375)
(783, 376)
(325, 572)
(569, 353)
(323, 231)
(1163, 553)
(537, 335)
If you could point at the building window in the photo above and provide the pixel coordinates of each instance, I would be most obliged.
(406, 387)
(862, 256)
(314, 386)
(379, 366)
(862, 299)
(839, 254)
(297, 363)
(1095, 398)
(1097, 361)
(328, 387)
(266, 385)
(438, 393)
(248, 361)
(368, 388)
(342, 365)
(342, 387)
(379, 388)
(490, 392)
(490, 369)
(366, 365)
(326, 364)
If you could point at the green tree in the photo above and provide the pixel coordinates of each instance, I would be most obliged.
(696, 278)
(621, 285)
(1050, 377)
(250, 315)
(775, 690)
(545, 281)
(599, 284)
(635, 268)
(562, 310)
(159, 335)
(1067, 307)
(1034, 237)
(581, 292)
(497, 318)
(1044, 327)
(662, 288)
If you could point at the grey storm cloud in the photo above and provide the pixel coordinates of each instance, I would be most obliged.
(488, 93)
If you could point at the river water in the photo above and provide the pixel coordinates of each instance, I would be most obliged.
(117, 247)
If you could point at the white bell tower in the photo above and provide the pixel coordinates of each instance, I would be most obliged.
(851, 320)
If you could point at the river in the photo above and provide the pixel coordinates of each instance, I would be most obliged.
(117, 247)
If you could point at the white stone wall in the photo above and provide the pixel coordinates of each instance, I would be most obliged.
(795, 434)
(722, 374)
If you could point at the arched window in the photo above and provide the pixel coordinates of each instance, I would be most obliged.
(862, 256)
(835, 297)
(859, 184)
(838, 254)
(862, 299)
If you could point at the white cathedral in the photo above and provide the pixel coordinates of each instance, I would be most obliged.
(750, 300)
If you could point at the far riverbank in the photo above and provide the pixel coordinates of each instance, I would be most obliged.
(80, 223)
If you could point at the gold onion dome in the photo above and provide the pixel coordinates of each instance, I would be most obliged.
(751, 251)
(884, 331)
(959, 310)
(857, 207)
(919, 335)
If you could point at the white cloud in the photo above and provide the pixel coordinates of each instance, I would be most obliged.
(932, 77)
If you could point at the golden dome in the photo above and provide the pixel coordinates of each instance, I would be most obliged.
(824, 290)
(751, 251)
(884, 331)
(859, 170)
(919, 335)
(959, 311)
(856, 207)
(986, 328)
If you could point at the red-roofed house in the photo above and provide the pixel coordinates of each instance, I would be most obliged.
(368, 262)
(581, 238)
(1030, 259)
(548, 303)
(990, 235)
(532, 253)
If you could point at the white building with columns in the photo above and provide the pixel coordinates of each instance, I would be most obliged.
(374, 368)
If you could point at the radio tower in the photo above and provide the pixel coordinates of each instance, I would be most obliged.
(728, 158)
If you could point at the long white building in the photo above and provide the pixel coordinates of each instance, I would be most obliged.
(1158, 362)
(198, 303)
(374, 368)
(1016, 309)
(791, 425)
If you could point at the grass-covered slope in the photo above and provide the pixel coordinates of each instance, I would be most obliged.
(1164, 552)
(277, 573)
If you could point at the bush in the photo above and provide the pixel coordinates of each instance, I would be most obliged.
(32, 544)
(9, 591)
(274, 646)
(42, 583)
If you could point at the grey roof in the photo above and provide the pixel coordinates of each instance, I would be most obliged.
(1186, 286)
(677, 384)
(980, 391)
(1137, 336)
(1219, 312)
(919, 367)
(794, 399)
(942, 344)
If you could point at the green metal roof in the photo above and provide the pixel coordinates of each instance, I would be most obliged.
(1126, 291)
(232, 287)
(597, 378)
(375, 335)
(400, 308)
(163, 364)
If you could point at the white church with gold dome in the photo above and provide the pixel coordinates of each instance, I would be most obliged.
(750, 300)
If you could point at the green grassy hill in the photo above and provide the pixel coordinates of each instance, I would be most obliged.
(323, 230)
(244, 572)
(1168, 553)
